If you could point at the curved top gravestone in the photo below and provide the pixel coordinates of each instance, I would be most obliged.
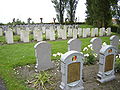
(43, 56)
(74, 44)
(96, 44)
(108, 50)
(114, 40)
(106, 63)
(71, 69)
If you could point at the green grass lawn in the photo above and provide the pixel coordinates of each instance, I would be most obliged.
(21, 54)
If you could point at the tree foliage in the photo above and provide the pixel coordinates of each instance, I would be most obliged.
(68, 5)
(59, 6)
(99, 12)
(71, 9)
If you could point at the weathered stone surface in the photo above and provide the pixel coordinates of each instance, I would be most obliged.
(71, 69)
(74, 44)
(9, 36)
(106, 63)
(114, 40)
(96, 44)
(43, 56)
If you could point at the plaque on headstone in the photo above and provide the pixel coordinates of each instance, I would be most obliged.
(71, 69)
(106, 63)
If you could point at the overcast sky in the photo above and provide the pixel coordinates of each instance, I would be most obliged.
(35, 9)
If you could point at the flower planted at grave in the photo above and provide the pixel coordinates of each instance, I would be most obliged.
(90, 57)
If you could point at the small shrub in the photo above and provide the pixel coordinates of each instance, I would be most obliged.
(117, 63)
(90, 57)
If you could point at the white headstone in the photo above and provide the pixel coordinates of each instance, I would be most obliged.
(84, 32)
(52, 33)
(59, 32)
(79, 32)
(24, 36)
(108, 31)
(35, 33)
(96, 31)
(18, 31)
(74, 33)
(106, 63)
(39, 35)
(47, 33)
(93, 32)
(43, 56)
(96, 44)
(88, 31)
(1, 32)
(9, 36)
(72, 69)
(43, 29)
(74, 44)
(101, 31)
(70, 32)
(114, 40)
(64, 36)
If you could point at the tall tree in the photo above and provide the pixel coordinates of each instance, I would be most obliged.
(59, 6)
(71, 9)
(99, 12)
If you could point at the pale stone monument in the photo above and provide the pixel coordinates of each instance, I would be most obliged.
(52, 33)
(101, 31)
(9, 36)
(43, 29)
(96, 31)
(71, 69)
(39, 35)
(74, 44)
(88, 32)
(1, 32)
(108, 31)
(96, 44)
(43, 56)
(24, 36)
(64, 31)
(35, 33)
(84, 32)
(18, 30)
(70, 32)
(74, 33)
(79, 32)
(59, 32)
(47, 33)
(92, 32)
(106, 63)
(114, 40)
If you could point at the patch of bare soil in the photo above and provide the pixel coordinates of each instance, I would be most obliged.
(89, 77)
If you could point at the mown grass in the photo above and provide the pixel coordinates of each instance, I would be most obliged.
(22, 54)
(86, 26)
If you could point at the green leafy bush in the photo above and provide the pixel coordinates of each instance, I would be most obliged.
(117, 63)
(90, 56)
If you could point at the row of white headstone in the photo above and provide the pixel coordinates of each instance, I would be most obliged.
(72, 61)
(50, 33)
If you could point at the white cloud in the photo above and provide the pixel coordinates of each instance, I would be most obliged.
(35, 9)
